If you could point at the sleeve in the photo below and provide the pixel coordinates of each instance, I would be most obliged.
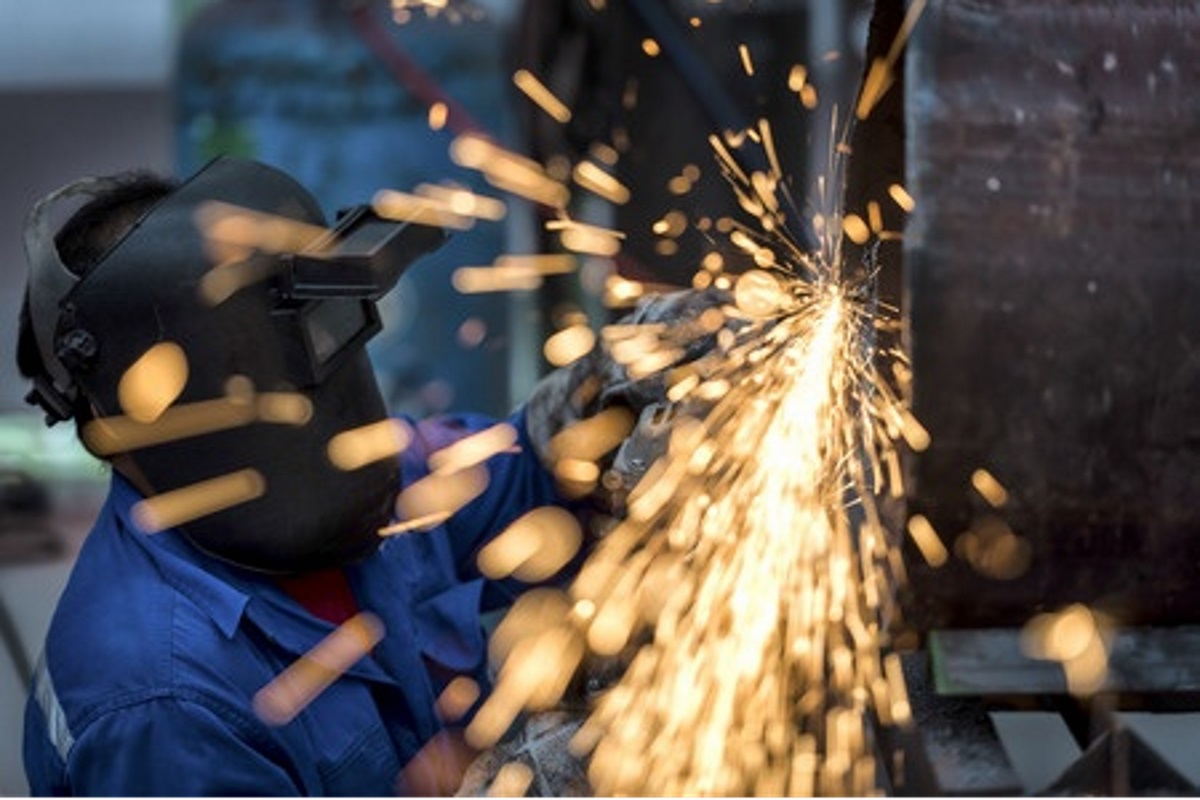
(517, 482)
(439, 566)
(174, 747)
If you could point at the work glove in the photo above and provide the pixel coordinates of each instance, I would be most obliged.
(631, 395)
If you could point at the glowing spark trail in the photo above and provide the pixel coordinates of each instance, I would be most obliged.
(767, 644)
(537, 91)
(749, 590)
(751, 584)
(880, 76)
(180, 506)
(292, 690)
(119, 434)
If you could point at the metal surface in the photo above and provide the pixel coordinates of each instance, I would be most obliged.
(1121, 764)
(980, 724)
(990, 662)
(952, 748)
(1051, 299)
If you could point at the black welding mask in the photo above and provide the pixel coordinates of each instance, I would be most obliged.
(293, 329)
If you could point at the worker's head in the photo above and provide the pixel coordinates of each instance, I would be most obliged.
(213, 334)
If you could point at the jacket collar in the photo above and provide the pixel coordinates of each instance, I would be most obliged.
(227, 594)
(203, 579)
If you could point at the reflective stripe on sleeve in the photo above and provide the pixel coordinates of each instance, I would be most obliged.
(56, 719)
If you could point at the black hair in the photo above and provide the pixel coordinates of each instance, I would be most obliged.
(84, 240)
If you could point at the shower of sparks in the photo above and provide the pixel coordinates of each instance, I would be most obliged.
(620, 292)
(463, 201)
(750, 586)
(534, 547)
(513, 781)
(856, 229)
(993, 549)
(437, 496)
(766, 599)
(482, 280)
(233, 232)
(927, 540)
(604, 153)
(682, 183)
(454, 11)
(439, 113)
(902, 198)
(751, 583)
(763, 599)
(457, 698)
(424, 523)
(569, 344)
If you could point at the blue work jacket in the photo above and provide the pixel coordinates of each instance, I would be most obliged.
(156, 650)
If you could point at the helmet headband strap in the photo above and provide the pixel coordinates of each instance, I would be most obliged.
(49, 283)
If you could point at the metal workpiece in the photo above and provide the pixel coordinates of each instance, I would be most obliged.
(1050, 300)
(1140, 661)
(989, 722)
(1121, 764)
(1049, 287)
(952, 748)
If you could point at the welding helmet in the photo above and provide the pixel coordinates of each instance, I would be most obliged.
(294, 329)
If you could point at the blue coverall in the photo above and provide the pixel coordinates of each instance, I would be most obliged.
(156, 650)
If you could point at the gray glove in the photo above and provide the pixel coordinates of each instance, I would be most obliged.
(598, 382)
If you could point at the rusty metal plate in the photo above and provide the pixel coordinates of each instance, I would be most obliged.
(1053, 303)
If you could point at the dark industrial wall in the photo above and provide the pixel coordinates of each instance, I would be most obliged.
(296, 84)
(1052, 300)
(51, 138)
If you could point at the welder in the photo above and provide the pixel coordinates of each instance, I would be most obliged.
(161, 640)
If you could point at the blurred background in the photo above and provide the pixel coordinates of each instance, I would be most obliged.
(354, 97)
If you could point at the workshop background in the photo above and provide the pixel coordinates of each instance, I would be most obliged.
(1049, 282)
